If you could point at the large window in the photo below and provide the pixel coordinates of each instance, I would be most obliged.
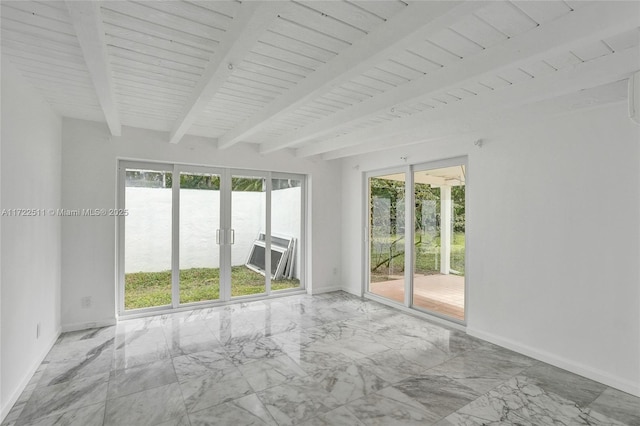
(195, 234)
(416, 237)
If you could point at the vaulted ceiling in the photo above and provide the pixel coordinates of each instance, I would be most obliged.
(322, 78)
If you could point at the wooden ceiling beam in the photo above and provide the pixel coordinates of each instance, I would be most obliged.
(413, 24)
(87, 23)
(253, 18)
(453, 119)
(488, 124)
(589, 24)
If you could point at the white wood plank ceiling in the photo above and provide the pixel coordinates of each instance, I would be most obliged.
(325, 78)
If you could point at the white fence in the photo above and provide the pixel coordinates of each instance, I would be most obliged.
(148, 226)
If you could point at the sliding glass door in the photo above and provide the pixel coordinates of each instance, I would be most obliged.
(199, 235)
(387, 235)
(146, 252)
(286, 230)
(416, 237)
(248, 225)
(202, 235)
(438, 267)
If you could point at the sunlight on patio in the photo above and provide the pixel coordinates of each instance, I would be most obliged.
(439, 293)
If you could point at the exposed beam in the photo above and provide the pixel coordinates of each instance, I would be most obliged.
(488, 124)
(87, 23)
(588, 24)
(416, 22)
(454, 119)
(246, 28)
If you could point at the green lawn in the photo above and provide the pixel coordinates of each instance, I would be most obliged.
(147, 289)
(427, 258)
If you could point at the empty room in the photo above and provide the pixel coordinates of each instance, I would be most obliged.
(340, 212)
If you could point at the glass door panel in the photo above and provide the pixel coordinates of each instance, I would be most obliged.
(147, 238)
(247, 235)
(286, 229)
(387, 236)
(199, 236)
(438, 275)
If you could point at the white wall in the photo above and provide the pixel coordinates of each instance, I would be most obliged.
(148, 225)
(147, 245)
(553, 227)
(89, 159)
(30, 249)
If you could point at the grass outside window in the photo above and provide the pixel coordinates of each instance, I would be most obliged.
(427, 262)
(149, 289)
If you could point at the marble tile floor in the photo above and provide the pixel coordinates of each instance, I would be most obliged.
(331, 359)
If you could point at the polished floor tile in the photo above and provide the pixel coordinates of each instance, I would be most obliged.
(266, 373)
(199, 364)
(297, 401)
(438, 394)
(389, 406)
(570, 386)
(391, 366)
(349, 382)
(210, 390)
(62, 397)
(618, 405)
(90, 415)
(519, 401)
(141, 377)
(244, 411)
(149, 407)
(339, 417)
(331, 359)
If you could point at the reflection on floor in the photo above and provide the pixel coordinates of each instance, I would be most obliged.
(331, 359)
(439, 293)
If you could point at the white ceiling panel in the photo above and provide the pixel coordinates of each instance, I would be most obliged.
(114, 17)
(538, 68)
(383, 9)
(592, 51)
(435, 53)
(417, 62)
(308, 35)
(287, 55)
(404, 71)
(506, 18)
(482, 33)
(307, 15)
(543, 11)
(515, 75)
(322, 77)
(350, 14)
(563, 60)
(456, 43)
(151, 13)
(624, 40)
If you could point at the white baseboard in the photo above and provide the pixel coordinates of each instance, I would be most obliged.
(356, 293)
(6, 407)
(560, 362)
(87, 325)
(326, 289)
